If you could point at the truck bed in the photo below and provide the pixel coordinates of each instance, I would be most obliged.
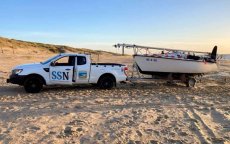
(110, 64)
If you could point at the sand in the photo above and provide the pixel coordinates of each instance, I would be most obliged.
(147, 112)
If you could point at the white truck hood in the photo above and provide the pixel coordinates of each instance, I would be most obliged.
(30, 65)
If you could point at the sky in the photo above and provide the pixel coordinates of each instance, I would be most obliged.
(99, 24)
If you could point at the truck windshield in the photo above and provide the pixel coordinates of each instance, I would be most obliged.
(50, 59)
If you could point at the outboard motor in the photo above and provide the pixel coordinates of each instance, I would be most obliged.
(214, 53)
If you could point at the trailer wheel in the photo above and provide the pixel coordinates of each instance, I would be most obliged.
(33, 84)
(106, 82)
(191, 82)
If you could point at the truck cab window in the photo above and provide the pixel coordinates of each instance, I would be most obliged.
(81, 60)
(65, 61)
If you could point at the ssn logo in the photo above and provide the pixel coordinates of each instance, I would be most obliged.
(60, 75)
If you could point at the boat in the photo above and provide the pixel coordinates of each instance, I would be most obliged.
(173, 63)
(152, 64)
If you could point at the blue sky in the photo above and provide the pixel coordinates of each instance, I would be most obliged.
(98, 24)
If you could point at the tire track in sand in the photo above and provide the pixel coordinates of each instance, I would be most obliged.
(218, 123)
(203, 133)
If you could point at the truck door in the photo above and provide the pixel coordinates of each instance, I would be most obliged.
(61, 70)
(82, 69)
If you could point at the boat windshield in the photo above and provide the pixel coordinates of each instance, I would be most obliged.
(50, 59)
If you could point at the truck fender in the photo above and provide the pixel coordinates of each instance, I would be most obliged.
(37, 75)
(109, 75)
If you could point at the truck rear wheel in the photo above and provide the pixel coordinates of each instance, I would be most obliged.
(33, 84)
(106, 82)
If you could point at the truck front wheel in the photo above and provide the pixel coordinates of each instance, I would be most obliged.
(106, 82)
(33, 84)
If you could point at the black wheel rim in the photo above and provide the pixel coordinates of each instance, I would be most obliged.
(33, 85)
(107, 83)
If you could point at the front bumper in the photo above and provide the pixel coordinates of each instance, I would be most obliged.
(16, 79)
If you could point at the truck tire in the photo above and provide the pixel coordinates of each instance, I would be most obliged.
(106, 82)
(33, 84)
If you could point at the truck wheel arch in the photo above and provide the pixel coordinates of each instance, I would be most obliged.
(106, 81)
(107, 75)
(38, 76)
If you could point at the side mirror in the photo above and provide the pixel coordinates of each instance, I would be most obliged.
(52, 64)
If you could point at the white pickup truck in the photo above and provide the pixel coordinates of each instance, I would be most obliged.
(67, 69)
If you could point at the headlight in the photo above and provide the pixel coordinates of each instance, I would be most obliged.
(17, 71)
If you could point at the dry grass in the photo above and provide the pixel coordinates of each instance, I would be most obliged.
(11, 46)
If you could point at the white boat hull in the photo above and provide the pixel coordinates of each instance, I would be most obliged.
(149, 64)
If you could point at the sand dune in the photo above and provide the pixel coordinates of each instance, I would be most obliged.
(31, 49)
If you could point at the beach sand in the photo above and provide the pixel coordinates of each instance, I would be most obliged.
(147, 112)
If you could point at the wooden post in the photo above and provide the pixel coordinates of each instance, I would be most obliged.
(13, 49)
(123, 50)
(98, 58)
(1, 49)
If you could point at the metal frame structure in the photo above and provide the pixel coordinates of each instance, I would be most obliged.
(137, 49)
